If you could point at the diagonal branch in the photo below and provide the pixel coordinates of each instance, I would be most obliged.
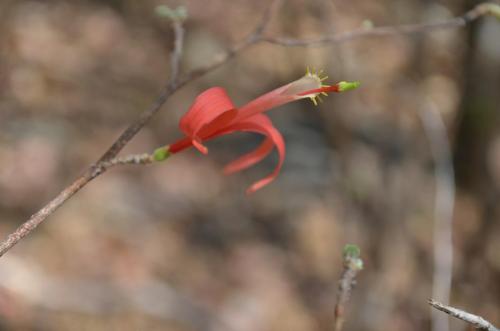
(387, 31)
(175, 83)
(477, 321)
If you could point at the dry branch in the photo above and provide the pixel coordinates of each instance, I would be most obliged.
(477, 321)
(352, 265)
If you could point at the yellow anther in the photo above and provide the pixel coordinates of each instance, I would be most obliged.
(319, 77)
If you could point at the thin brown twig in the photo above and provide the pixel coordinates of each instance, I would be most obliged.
(406, 29)
(257, 36)
(137, 159)
(176, 56)
(352, 265)
(477, 321)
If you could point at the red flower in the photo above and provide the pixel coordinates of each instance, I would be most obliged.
(213, 114)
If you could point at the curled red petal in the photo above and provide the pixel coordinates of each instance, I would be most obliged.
(199, 146)
(211, 110)
(259, 123)
(251, 158)
(262, 124)
(261, 183)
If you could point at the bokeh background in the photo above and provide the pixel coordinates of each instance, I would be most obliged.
(178, 246)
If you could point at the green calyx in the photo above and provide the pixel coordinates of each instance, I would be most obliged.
(161, 154)
(347, 86)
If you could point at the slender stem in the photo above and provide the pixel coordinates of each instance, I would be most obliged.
(352, 265)
(37, 218)
(137, 159)
(477, 321)
(383, 31)
(176, 56)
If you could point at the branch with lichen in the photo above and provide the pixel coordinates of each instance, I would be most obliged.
(177, 81)
(477, 321)
(352, 265)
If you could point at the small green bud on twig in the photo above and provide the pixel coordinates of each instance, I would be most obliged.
(352, 257)
(178, 14)
(161, 154)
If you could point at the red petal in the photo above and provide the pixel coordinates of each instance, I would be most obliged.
(265, 102)
(211, 110)
(251, 158)
(261, 124)
(199, 146)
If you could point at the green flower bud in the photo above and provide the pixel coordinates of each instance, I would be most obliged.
(347, 86)
(161, 154)
(351, 251)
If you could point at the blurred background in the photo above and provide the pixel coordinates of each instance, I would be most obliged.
(177, 245)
